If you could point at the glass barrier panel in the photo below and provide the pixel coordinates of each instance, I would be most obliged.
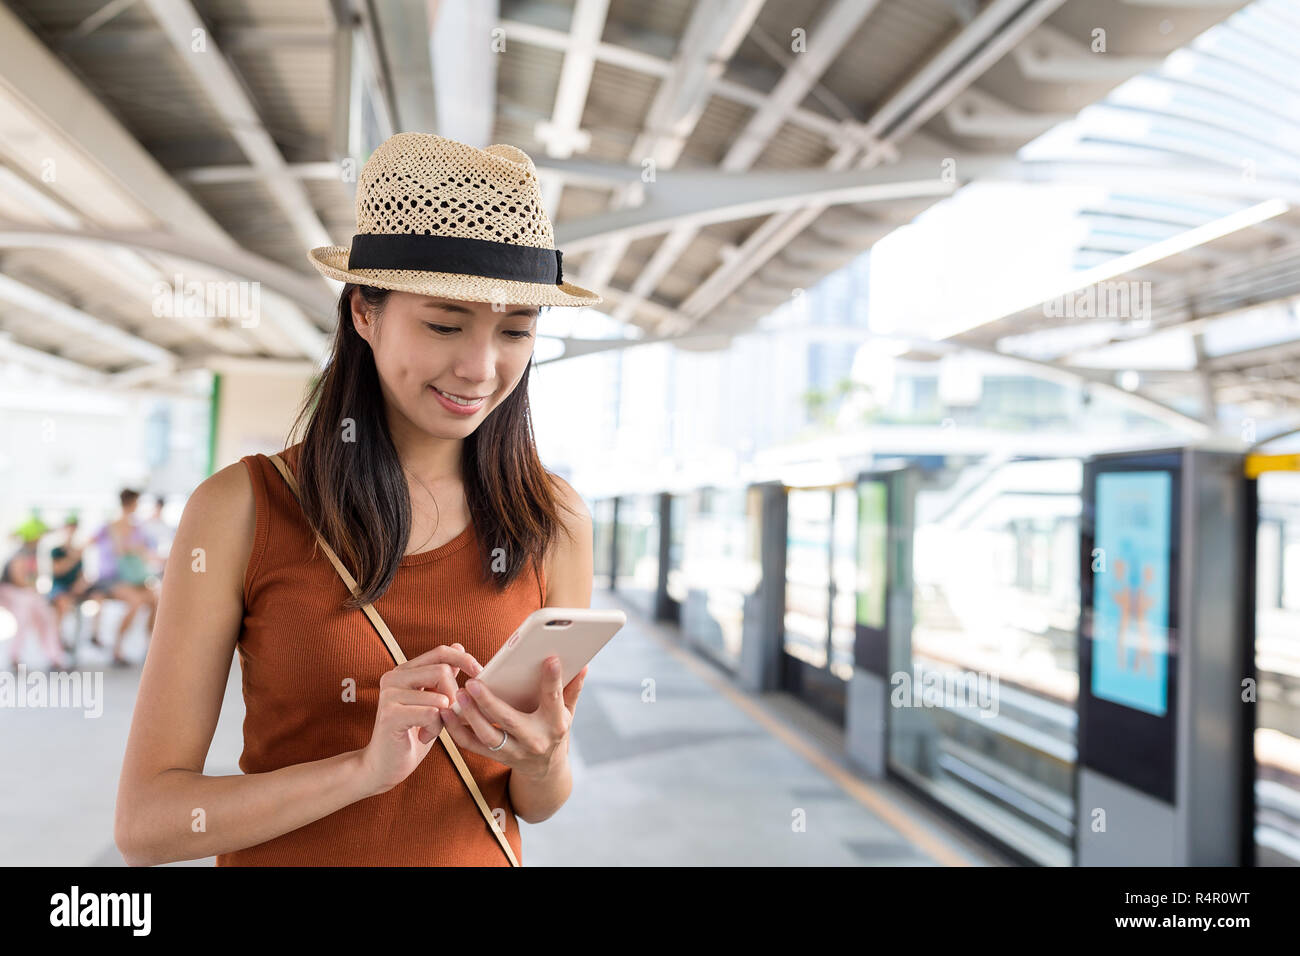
(984, 712)
(638, 550)
(720, 568)
(807, 574)
(1277, 671)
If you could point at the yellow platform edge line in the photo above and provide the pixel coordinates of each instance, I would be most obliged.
(1256, 465)
(864, 794)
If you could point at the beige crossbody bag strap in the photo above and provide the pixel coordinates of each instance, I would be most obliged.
(452, 750)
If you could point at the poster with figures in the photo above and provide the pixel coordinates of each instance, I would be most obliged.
(1130, 596)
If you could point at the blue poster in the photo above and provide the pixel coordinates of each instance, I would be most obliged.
(1130, 595)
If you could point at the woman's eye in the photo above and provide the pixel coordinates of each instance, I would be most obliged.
(447, 330)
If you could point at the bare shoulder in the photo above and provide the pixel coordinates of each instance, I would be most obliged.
(224, 496)
(569, 559)
(574, 511)
(221, 517)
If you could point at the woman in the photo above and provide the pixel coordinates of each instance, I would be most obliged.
(439, 508)
(160, 533)
(32, 613)
(68, 585)
(125, 555)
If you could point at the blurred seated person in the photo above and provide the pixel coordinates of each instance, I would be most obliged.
(69, 586)
(160, 533)
(31, 611)
(125, 569)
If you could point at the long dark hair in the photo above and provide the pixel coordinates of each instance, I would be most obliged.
(355, 492)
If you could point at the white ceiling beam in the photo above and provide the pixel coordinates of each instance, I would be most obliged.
(464, 69)
(217, 175)
(41, 361)
(979, 45)
(404, 30)
(101, 16)
(295, 289)
(979, 115)
(1052, 56)
(710, 40)
(124, 269)
(1031, 295)
(656, 66)
(43, 306)
(146, 41)
(1138, 401)
(690, 200)
(255, 366)
(1193, 178)
(562, 134)
(142, 375)
(373, 67)
(553, 38)
(32, 75)
(826, 38)
(226, 93)
(56, 99)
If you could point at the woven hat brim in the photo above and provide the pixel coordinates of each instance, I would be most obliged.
(332, 261)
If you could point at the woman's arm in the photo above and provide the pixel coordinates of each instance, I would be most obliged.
(66, 563)
(163, 794)
(568, 584)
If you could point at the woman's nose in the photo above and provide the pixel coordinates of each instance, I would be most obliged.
(476, 362)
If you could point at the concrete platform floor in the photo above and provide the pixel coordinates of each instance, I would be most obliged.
(705, 774)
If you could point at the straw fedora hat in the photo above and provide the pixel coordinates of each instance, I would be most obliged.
(438, 217)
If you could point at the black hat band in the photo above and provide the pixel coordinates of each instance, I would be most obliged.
(475, 257)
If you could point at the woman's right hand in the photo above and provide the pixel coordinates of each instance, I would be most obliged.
(407, 722)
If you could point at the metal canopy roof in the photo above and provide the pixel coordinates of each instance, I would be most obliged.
(216, 137)
(1217, 262)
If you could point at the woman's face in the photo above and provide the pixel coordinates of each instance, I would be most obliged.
(423, 344)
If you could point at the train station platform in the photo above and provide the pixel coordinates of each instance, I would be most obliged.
(702, 774)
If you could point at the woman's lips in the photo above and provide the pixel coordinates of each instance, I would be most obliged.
(453, 407)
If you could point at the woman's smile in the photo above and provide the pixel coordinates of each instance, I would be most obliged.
(458, 404)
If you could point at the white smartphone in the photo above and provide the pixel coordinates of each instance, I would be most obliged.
(576, 634)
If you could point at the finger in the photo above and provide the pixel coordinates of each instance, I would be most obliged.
(494, 708)
(478, 722)
(442, 678)
(423, 698)
(408, 716)
(574, 688)
(551, 693)
(450, 688)
(462, 735)
(431, 732)
(452, 654)
(426, 675)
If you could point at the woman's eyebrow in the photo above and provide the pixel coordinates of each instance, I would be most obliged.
(448, 307)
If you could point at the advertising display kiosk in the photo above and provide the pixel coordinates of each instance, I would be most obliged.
(1160, 651)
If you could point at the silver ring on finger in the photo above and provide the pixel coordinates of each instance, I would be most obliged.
(504, 737)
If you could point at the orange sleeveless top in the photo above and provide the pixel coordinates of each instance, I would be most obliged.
(298, 646)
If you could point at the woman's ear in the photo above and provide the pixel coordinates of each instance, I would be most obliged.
(362, 318)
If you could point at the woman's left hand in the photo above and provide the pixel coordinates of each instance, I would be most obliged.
(537, 740)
